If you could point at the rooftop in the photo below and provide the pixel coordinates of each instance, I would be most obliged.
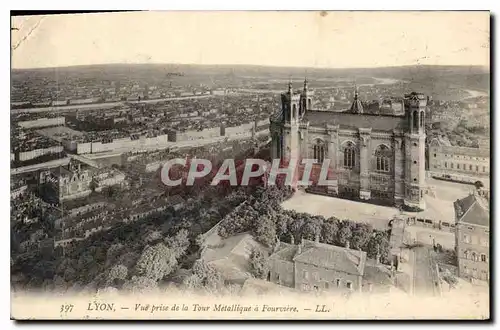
(377, 274)
(323, 255)
(355, 120)
(332, 257)
(473, 210)
(466, 151)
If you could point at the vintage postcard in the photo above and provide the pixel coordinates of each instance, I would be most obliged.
(250, 165)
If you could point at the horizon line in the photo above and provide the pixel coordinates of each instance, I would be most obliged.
(254, 65)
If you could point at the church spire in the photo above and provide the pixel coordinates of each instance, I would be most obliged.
(290, 87)
(357, 106)
(305, 84)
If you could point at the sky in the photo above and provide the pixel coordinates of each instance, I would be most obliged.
(295, 39)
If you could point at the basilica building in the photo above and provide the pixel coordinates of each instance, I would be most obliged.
(375, 154)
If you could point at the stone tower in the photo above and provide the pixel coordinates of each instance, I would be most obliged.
(291, 102)
(415, 104)
(306, 99)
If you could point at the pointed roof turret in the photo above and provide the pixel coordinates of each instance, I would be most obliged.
(357, 106)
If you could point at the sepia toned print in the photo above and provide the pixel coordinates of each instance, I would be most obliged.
(250, 165)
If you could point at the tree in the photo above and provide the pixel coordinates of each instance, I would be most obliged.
(60, 284)
(140, 284)
(281, 221)
(265, 231)
(360, 236)
(128, 259)
(152, 237)
(192, 282)
(258, 263)
(113, 252)
(295, 226)
(344, 234)
(312, 228)
(156, 262)
(179, 243)
(478, 184)
(117, 272)
(209, 277)
(378, 246)
(329, 231)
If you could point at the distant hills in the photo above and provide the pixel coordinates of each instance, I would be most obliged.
(429, 76)
(395, 72)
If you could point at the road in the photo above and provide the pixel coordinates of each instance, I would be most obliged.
(35, 167)
(107, 105)
(424, 272)
(428, 236)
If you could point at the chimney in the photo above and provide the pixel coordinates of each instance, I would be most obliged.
(299, 251)
(316, 239)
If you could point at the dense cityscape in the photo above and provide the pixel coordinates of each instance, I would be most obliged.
(89, 212)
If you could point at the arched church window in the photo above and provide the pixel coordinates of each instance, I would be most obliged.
(294, 112)
(349, 155)
(309, 104)
(421, 119)
(319, 151)
(415, 119)
(383, 155)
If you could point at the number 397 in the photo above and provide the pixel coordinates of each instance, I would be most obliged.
(66, 308)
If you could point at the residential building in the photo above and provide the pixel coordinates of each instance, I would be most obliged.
(314, 266)
(460, 161)
(472, 237)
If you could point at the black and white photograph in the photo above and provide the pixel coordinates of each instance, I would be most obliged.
(250, 165)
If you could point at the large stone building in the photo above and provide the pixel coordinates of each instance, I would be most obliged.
(316, 267)
(73, 181)
(472, 237)
(448, 160)
(65, 183)
(373, 154)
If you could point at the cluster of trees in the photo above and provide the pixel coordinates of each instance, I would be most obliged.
(149, 250)
(267, 220)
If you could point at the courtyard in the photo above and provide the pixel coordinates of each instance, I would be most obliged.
(449, 191)
(375, 215)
